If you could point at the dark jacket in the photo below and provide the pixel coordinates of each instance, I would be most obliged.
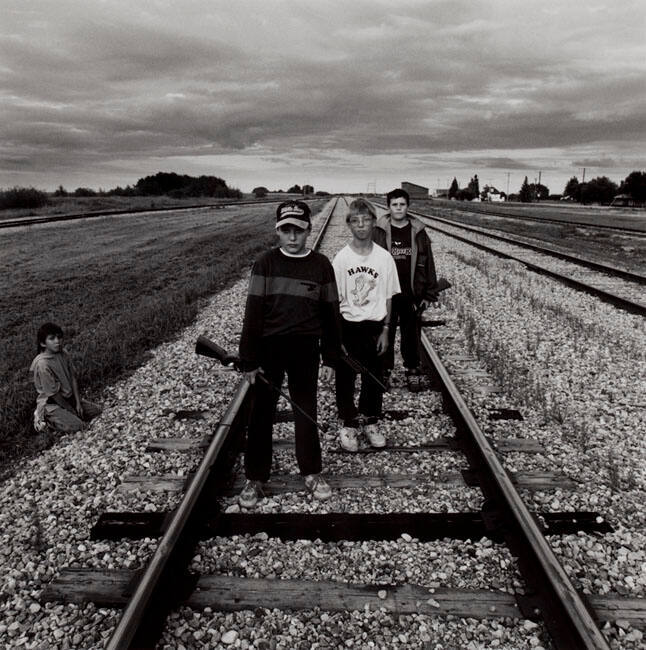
(422, 266)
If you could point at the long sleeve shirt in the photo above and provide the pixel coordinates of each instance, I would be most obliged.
(290, 296)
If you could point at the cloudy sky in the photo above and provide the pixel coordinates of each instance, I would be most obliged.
(344, 95)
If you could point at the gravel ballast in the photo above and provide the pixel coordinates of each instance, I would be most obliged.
(587, 417)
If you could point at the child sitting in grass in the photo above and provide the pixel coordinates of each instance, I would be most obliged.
(58, 404)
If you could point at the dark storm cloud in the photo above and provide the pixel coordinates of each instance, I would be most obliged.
(96, 83)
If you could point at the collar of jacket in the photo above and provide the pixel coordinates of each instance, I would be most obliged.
(386, 222)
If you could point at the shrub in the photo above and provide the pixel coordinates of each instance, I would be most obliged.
(22, 197)
(84, 191)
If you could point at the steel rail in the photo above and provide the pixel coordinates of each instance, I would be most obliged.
(631, 306)
(566, 616)
(454, 205)
(133, 615)
(618, 301)
(582, 261)
(321, 232)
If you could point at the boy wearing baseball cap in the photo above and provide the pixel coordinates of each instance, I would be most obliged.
(291, 319)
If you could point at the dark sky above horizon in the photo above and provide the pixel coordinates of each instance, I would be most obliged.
(334, 94)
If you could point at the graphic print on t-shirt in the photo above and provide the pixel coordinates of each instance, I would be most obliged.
(401, 247)
(363, 279)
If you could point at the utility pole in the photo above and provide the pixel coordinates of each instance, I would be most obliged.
(583, 179)
(507, 183)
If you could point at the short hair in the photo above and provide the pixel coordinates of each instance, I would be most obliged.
(45, 330)
(360, 206)
(397, 194)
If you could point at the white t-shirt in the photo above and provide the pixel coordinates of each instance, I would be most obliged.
(365, 282)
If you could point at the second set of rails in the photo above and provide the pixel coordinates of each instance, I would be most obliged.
(619, 287)
(148, 596)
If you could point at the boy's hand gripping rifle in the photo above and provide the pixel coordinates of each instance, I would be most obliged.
(441, 285)
(208, 348)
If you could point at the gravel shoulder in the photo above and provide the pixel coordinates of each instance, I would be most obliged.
(585, 376)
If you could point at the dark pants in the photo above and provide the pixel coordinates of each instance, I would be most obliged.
(299, 357)
(403, 314)
(360, 341)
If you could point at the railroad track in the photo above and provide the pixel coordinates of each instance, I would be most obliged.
(167, 583)
(453, 206)
(619, 287)
(33, 221)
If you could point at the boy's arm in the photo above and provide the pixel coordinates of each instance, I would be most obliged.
(330, 318)
(48, 386)
(63, 403)
(382, 341)
(77, 396)
(252, 326)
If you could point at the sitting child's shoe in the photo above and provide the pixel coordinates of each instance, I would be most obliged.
(348, 438)
(318, 486)
(250, 494)
(375, 437)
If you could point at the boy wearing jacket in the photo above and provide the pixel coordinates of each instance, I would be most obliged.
(406, 240)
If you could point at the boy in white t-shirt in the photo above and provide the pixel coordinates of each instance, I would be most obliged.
(366, 278)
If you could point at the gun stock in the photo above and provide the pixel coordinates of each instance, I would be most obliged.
(442, 285)
(208, 348)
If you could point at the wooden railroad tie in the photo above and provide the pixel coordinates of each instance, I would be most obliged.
(286, 483)
(503, 445)
(342, 526)
(231, 593)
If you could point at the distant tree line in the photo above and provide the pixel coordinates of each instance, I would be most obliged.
(22, 197)
(164, 183)
(261, 191)
(603, 190)
(598, 190)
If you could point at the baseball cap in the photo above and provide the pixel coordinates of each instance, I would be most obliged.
(295, 212)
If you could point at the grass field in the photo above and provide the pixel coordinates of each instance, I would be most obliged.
(117, 286)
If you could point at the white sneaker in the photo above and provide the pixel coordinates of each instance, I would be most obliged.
(348, 439)
(318, 486)
(250, 494)
(375, 437)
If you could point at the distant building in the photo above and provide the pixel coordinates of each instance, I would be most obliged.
(626, 201)
(441, 194)
(490, 193)
(415, 191)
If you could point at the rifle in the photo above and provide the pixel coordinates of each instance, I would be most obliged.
(441, 285)
(361, 369)
(208, 348)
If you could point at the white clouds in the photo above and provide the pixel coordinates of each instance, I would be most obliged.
(98, 84)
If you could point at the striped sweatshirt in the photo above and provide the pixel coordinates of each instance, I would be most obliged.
(290, 296)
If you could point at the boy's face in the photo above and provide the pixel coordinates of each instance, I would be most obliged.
(53, 343)
(361, 226)
(292, 238)
(398, 209)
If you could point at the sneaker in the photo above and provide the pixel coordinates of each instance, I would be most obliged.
(318, 486)
(250, 494)
(413, 380)
(375, 437)
(348, 438)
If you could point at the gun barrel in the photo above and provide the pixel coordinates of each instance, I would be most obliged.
(208, 348)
